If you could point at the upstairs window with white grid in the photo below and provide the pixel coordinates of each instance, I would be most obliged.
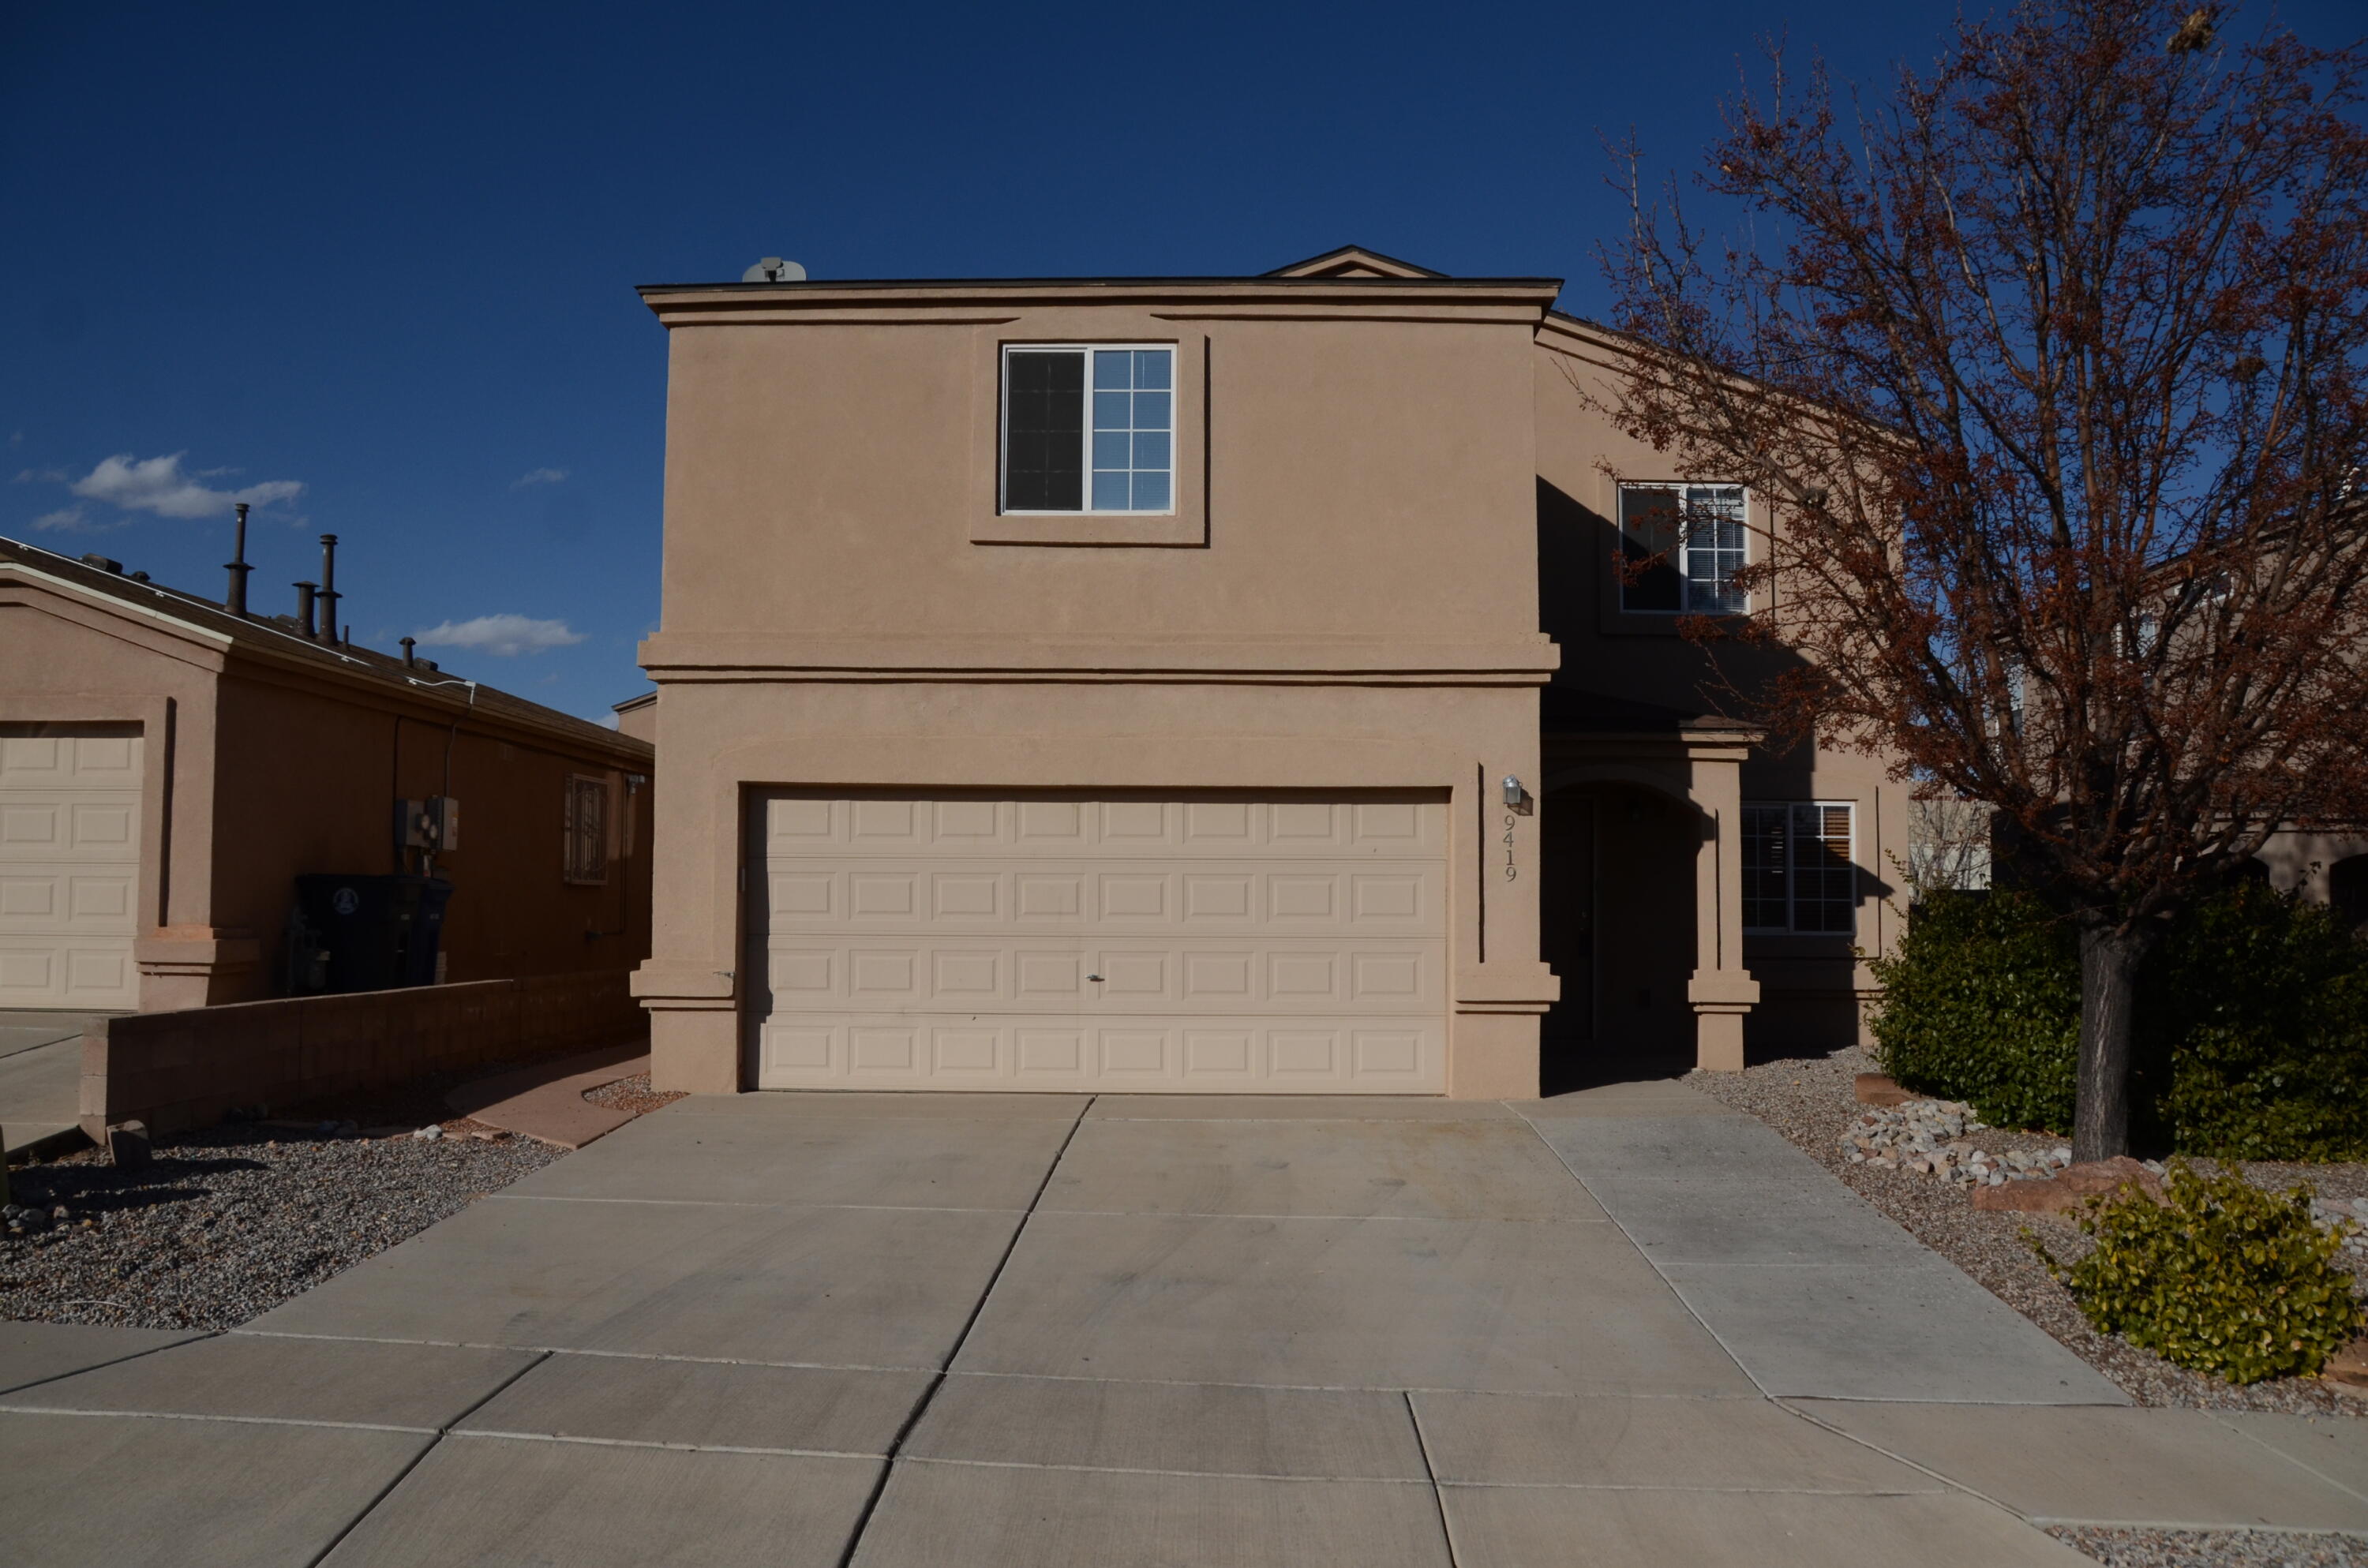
(1683, 545)
(1799, 874)
(1089, 428)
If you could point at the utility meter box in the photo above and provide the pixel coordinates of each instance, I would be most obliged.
(432, 825)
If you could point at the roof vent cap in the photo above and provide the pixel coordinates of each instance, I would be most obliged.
(103, 563)
(773, 269)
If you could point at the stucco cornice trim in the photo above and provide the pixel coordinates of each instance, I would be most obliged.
(676, 658)
(1523, 299)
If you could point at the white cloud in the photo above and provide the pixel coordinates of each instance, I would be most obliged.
(504, 636)
(158, 485)
(41, 476)
(538, 476)
(68, 520)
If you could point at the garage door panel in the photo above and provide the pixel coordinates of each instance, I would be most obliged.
(1050, 1052)
(1066, 941)
(69, 870)
(1135, 975)
(885, 824)
(823, 895)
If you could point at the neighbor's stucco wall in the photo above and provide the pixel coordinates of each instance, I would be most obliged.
(68, 662)
(308, 775)
(253, 773)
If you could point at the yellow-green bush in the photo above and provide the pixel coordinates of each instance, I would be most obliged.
(2222, 1277)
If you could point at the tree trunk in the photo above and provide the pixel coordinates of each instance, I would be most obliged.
(2109, 957)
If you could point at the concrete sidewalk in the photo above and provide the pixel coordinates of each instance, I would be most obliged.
(1627, 1327)
(40, 1079)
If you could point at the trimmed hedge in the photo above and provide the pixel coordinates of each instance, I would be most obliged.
(2252, 1021)
(1981, 1002)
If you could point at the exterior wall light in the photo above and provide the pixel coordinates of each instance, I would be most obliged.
(1516, 797)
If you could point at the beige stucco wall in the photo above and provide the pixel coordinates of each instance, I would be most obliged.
(1346, 598)
(257, 771)
(307, 781)
(639, 718)
(1807, 983)
(69, 662)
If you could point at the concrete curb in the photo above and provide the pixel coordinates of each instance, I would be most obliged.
(49, 1145)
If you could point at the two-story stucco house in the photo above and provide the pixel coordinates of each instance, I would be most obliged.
(1210, 684)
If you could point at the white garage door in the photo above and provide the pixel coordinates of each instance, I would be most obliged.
(69, 870)
(1072, 942)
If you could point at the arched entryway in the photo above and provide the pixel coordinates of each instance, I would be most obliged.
(1616, 923)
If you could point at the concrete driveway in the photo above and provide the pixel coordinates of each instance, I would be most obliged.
(1621, 1327)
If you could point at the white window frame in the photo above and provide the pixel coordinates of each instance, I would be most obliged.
(1086, 436)
(1681, 557)
(1792, 927)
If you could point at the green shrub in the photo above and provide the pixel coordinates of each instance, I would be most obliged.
(1981, 1003)
(2252, 1021)
(2223, 1278)
(2258, 1001)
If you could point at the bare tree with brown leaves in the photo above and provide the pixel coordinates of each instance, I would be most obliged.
(2051, 366)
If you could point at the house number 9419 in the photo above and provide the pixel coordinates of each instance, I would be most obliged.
(1512, 870)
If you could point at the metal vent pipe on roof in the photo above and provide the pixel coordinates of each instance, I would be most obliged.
(409, 659)
(238, 568)
(304, 608)
(329, 594)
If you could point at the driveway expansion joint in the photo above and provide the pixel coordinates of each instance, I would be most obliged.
(920, 1406)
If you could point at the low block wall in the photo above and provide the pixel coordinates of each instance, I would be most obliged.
(187, 1069)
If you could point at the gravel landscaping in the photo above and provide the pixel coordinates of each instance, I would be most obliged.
(2120, 1547)
(632, 1094)
(229, 1222)
(1813, 1102)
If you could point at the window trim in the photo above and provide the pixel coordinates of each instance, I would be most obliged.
(1681, 558)
(1792, 927)
(571, 831)
(1084, 350)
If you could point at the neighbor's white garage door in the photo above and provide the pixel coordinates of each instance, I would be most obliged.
(1066, 942)
(69, 870)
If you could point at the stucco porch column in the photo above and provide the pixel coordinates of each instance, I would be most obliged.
(1720, 990)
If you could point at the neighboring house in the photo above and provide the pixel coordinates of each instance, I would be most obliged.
(638, 717)
(168, 768)
(1217, 685)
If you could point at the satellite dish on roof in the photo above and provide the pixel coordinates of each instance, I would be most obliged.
(773, 269)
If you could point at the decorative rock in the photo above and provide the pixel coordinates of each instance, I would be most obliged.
(430, 1133)
(2066, 1192)
(126, 1144)
(2348, 1366)
(1879, 1088)
(1932, 1138)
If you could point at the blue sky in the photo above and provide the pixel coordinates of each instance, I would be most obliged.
(373, 267)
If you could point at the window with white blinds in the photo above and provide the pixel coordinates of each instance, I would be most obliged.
(1799, 870)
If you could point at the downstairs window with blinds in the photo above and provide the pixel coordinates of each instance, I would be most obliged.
(1799, 873)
